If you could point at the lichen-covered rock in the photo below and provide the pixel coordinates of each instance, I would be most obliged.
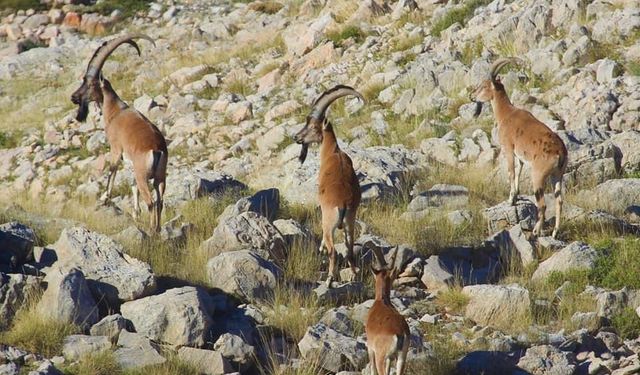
(333, 350)
(111, 273)
(546, 359)
(244, 274)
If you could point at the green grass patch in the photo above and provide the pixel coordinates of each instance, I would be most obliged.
(627, 323)
(460, 14)
(293, 311)
(35, 333)
(21, 5)
(100, 363)
(10, 139)
(339, 36)
(619, 264)
(128, 8)
(173, 366)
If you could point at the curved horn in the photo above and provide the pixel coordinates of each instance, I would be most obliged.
(321, 104)
(102, 53)
(499, 64)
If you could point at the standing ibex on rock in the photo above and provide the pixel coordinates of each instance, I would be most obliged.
(129, 133)
(529, 140)
(387, 331)
(338, 186)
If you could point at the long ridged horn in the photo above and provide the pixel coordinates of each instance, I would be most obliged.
(102, 53)
(393, 258)
(499, 64)
(323, 102)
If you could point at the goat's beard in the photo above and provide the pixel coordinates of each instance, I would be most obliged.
(303, 153)
(83, 111)
(478, 109)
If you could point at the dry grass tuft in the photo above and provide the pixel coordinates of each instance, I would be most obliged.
(293, 311)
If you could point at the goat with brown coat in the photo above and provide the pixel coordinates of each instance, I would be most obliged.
(387, 331)
(524, 138)
(338, 186)
(130, 135)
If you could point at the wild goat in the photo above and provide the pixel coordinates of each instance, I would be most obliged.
(129, 133)
(338, 186)
(529, 140)
(387, 331)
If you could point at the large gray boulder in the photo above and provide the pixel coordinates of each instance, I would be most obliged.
(15, 289)
(265, 202)
(247, 230)
(208, 362)
(16, 244)
(179, 316)
(77, 346)
(470, 265)
(496, 304)
(547, 359)
(68, 298)
(136, 350)
(440, 195)
(111, 273)
(577, 255)
(244, 274)
(618, 193)
(333, 350)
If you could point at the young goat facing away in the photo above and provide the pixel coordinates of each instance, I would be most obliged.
(524, 138)
(338, 187)
(130, 135)
(387, 331)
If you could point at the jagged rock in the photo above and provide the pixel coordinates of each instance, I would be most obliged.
(264, 202)
(339, 319)
(546, 359)
(505, 215)
(577, 255)
(110, 326)
(243, 274)
(179, 316)
(16, 244)
(495, 304)
(9, 369)
(473, 266)
(513, 243)
(440, 195)
(15, 289)
(339, 294)
(248, 230)
(333, 350)
(292, 231)
(207, 362)
(68, 298)
(77, 346)
(619, 193)
(135, 350)
(187, 184)
(235, 349)
(301, 38)
(111, 273)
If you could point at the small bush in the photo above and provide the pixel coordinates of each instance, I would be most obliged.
(266, 6)
(10, 139)
(627, 323)
(460, 15)
(453, 300)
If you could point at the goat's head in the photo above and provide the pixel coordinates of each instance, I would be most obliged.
(486, 90)
(384, 273)
(92, 82)
(316, 121)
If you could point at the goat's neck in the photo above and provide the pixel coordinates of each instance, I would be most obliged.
(383, 293)
(329, 142)
(502, 106)
(111, 105)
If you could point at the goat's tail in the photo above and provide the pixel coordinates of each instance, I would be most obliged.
(157, 158)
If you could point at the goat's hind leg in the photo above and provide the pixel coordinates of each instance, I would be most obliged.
(349, 240)
(556, 181)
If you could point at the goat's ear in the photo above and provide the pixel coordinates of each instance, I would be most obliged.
(325, 124)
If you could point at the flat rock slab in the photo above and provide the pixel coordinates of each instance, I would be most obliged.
(333, 350)
(77, 346)
(576, 255)
(135, 350)
(496, 304)
(504, 215)
(340, 293)
(208, 362)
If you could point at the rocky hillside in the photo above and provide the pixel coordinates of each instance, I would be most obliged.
(232, 281)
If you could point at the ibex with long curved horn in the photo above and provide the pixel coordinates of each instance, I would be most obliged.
(524, 138)
(388, 334)
(338, 187)
(130, 135)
